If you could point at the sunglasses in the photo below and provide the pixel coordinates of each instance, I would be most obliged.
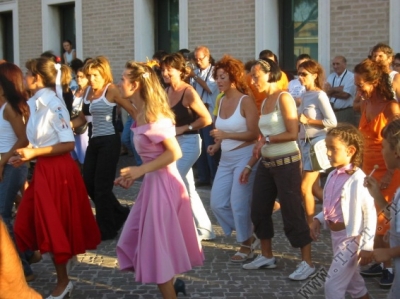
(301, 74)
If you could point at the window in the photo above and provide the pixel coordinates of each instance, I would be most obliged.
(167, 25)
(6, 33)
(67, 19)
(298, 31)
(62, 19)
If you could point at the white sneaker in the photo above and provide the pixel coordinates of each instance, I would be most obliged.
(302, 272)
(261, 262)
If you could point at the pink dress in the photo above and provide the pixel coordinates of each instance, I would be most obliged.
(159, 238)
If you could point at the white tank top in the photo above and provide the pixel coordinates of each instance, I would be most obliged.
(391, 75)
(7, 135)
(236, 123)
(273, 124)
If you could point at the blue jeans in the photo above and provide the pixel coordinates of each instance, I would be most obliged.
(206, 164)
(127, 139)
(190, 146)
(13, 180)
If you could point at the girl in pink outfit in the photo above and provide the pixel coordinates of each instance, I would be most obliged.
(159, 239)
(349, 212)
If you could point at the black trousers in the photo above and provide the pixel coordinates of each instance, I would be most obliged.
(99, 170)
(283, 182)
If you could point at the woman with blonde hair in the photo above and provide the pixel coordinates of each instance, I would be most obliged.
(54, 215)
(102, 153)
(159, 238)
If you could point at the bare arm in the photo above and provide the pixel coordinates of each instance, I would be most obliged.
(114, 96)
(193, 101)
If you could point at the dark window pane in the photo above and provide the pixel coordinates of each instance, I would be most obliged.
(7, 41)
(67, 19)
(167, 25)
(298, 31)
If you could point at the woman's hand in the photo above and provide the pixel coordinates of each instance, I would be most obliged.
(315, 229)
(218, 134)
(386, 179)
(212, 149)
(124, 183)
(244, 176)
(26, 153)
(373, 186)
(365, 257)
(131, 173)
(303, 119)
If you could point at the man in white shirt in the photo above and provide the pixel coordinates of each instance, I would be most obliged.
(340, 89)
(203, 81)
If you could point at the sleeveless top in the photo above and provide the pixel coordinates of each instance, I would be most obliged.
(273, 124)
(391, 76)
(184, 115)
(236, 123)
(102, 112)
(7, 136)
(68, 56)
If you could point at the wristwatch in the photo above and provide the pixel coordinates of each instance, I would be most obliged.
(190, 127)
(267, 139)
(195, 77)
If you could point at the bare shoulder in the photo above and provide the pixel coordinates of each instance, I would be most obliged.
(392, 109)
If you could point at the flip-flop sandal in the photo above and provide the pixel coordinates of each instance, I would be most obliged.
(243, 256)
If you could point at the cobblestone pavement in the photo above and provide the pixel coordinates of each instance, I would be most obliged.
(96, 275)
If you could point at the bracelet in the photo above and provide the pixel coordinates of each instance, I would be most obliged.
(196, 77)
(248, 167)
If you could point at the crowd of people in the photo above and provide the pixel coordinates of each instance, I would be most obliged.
(250, 133)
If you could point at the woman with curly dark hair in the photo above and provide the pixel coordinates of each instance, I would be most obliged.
(235, 133)
(377, 110)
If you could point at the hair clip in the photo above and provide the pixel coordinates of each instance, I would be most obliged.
(146, 75)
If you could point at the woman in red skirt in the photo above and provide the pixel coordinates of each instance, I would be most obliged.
(55, 214)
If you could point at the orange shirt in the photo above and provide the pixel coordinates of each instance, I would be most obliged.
(260, 96)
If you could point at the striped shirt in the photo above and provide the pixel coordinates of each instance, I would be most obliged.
(102, 113)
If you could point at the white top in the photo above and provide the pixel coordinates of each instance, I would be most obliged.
(68, 56)
(207, 98)
(358, 208)
(236, 123)
(295, 88)
(273, 124)
(391, 75)
(49, 120)
(7, 136)
(346, 79)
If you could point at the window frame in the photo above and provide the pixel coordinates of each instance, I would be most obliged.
(13, 7)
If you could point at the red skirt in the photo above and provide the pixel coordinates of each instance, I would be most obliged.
(55, 215)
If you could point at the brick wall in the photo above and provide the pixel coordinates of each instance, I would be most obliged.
(30, 30)
(225, 26)
(108, 31)
(356, 26)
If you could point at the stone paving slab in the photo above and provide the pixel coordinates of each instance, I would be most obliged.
(96, 275)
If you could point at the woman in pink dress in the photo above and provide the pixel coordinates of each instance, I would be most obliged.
(159, 239)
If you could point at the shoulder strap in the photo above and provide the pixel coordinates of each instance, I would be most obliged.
(220, 104)
(183, 94)
(105, 90)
